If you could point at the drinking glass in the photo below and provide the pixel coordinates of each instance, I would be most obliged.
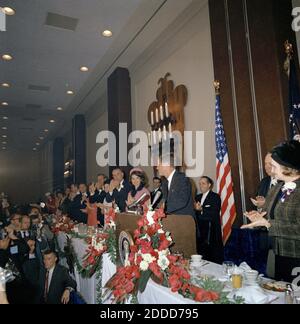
(228, 268)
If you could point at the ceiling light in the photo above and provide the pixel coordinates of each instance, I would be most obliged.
(4, 136)
(84, 69)
(4, 103)
(41, 138)
(52, 121)
(4, 128)
(59, 108)
(107, 33)
(46, 130)
(3, 148)
(4, 143)
(5, 117)
(70, 92)
(7, 57)
(5, 85)
(34, 149)
(8, 11)
(37, 144)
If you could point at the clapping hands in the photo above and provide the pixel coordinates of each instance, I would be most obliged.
(257, 219)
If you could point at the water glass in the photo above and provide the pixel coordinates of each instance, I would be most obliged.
(228, 268)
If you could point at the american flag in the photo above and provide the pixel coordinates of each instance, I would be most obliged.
(224, 177)
(294, 101)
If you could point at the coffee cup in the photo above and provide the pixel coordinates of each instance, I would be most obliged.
(251, 276)
(196, 258)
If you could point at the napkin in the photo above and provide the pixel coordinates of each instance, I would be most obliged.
(253, 295)
(244, 267)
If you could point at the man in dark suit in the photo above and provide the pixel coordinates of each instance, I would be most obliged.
(266, 183)
(119, 189)
(156, 194)
(176, 188)
(56, 284)
(208, 207)
(78, 204)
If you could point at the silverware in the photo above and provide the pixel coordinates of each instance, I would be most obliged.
(205, 264)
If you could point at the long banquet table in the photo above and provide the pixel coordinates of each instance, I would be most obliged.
(153, 294)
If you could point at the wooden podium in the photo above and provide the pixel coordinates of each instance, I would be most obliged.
(181, 227)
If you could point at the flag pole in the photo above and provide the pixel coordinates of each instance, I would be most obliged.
(287, 67)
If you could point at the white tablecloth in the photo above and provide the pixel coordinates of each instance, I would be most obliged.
(153, 294)
(87, 287)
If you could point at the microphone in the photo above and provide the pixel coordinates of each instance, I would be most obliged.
(144, 197)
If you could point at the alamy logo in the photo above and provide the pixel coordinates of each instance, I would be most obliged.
(296, 21)
(2, 20)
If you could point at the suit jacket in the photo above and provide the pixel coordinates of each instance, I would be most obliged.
(59, 282)
(157, 202)
(209, 228)
(178, 198)
(121, 196)
(264, 187)
(98, 197)
(75, 209)
(285, 227)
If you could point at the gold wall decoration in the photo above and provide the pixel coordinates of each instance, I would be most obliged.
(166, 113)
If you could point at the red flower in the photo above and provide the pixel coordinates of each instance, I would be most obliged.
(156, 270)
(175, 283)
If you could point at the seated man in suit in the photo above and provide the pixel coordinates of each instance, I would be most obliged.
(176, 188)
(118, 190)
(156, 194)
(208, 207)
(56, 283)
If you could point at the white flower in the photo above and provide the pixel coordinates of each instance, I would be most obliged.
(148, 258)
(150, 219)
(112, 225)
(99, 247)
(144, 266)
(160, 231)
(163, 253)
(289, 186)
(163, 262)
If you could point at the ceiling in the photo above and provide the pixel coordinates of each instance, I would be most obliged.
(47, 60)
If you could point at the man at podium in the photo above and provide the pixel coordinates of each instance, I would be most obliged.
(176, 188)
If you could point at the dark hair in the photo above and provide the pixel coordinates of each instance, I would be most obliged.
(141, 175)
(48, 252)
(103, 175)
(209, 180)
(157, 178)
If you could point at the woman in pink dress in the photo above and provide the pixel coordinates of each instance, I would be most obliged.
(138, 181)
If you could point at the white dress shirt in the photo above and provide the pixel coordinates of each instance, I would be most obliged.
(170, 179)
(204, 196)
(50, 277)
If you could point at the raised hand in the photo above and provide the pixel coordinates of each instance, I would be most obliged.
(259, 201)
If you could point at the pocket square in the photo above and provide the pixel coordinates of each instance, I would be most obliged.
(207, 206)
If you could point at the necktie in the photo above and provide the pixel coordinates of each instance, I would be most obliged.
(46, 286)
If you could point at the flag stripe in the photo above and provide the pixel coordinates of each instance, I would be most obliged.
(224, 177)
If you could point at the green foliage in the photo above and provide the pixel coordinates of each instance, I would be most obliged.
(214, 285)
(112, 245)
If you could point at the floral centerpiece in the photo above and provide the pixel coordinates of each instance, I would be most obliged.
(103, 241)
(151, 256)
